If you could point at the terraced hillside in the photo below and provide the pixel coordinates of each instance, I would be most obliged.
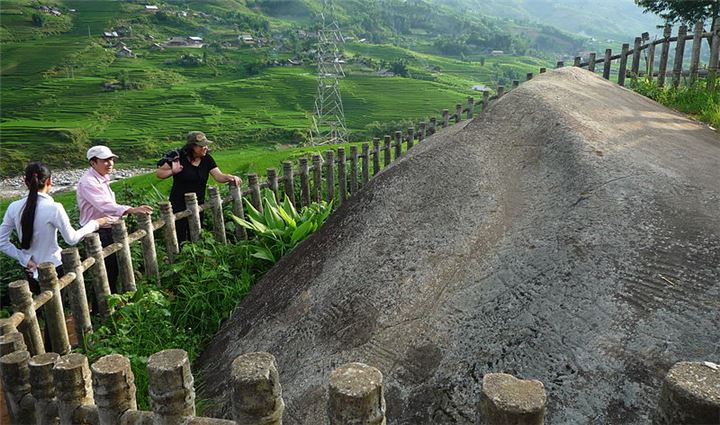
(64, 86)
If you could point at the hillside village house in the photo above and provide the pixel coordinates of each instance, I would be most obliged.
(246, 39)
(124, 52)
(183, 41)
(497, 52)
(110, 34)
(151, 8)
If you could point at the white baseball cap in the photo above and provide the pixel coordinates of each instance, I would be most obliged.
(101, 152)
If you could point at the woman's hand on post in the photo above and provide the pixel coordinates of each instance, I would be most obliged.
(31, 265)
(106, 220)
(235, 179)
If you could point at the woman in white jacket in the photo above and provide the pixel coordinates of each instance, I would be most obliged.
(36, 218)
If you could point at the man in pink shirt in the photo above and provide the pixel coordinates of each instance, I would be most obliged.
(95, 200)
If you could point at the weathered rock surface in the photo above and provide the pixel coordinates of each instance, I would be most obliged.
(569, 235)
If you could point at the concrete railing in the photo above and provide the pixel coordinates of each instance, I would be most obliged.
(630, 58)
(51, 389)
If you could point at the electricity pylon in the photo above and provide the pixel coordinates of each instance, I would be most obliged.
(329, 119)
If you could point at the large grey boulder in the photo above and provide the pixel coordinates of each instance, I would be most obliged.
(571, 235)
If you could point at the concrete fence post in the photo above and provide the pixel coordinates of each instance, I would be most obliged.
(12, 342)
(433, 124)
(446, 118)
(458, 112)
(114, 388)
(54, 312)
(78, 297)
(679, 54)
(515, 84)
(500, 91)
(410, 137)
(148, 246)
(171, 386)
(238, 209)
(387, 153)
(690, 395)
(126, 275)
(73, 386)
(376, 155)
(559, 64)
(42, 387)
(356, 396)
(623, 63)
(398, 144)
(289, 181)
(256, 392)
(695, 55)
(635, 67)
(304, 182)
(353, 169)
(171, 243)
(664, 53)
(191, 202)
(217, 212)
(470, 107)
(272, 182)
(342, 174)
(317, 177)
(714, 55)
(100, 277)
(22, 302)
(254, 188)
(365, 163)
(529, 76)
(330, 175)
(592, 58)
(507, 400)
(486, 98)
(576, 61)
(543, 70)
(607, 64)
(650, 65)
(16, 385)
(421, 131)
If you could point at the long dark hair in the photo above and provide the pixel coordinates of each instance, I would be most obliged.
(188, 150)
(36, 174)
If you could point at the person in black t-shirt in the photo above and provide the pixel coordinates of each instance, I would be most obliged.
(190, 168)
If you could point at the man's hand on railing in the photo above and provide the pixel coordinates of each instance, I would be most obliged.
(142, 209)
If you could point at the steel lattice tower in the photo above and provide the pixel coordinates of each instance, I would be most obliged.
(329, 120)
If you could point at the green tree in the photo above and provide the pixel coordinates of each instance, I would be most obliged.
(38, 19)
(682, 11)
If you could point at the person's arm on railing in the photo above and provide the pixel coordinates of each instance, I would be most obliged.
(220, 177)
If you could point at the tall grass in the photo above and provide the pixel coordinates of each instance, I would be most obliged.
(696, 100)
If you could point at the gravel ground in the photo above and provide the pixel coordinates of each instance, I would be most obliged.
(64, 180)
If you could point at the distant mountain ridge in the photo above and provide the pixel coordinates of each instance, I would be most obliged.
(615, 19)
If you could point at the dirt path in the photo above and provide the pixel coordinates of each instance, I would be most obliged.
(64, 180)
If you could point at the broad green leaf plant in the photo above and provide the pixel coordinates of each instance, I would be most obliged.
(280, 227)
